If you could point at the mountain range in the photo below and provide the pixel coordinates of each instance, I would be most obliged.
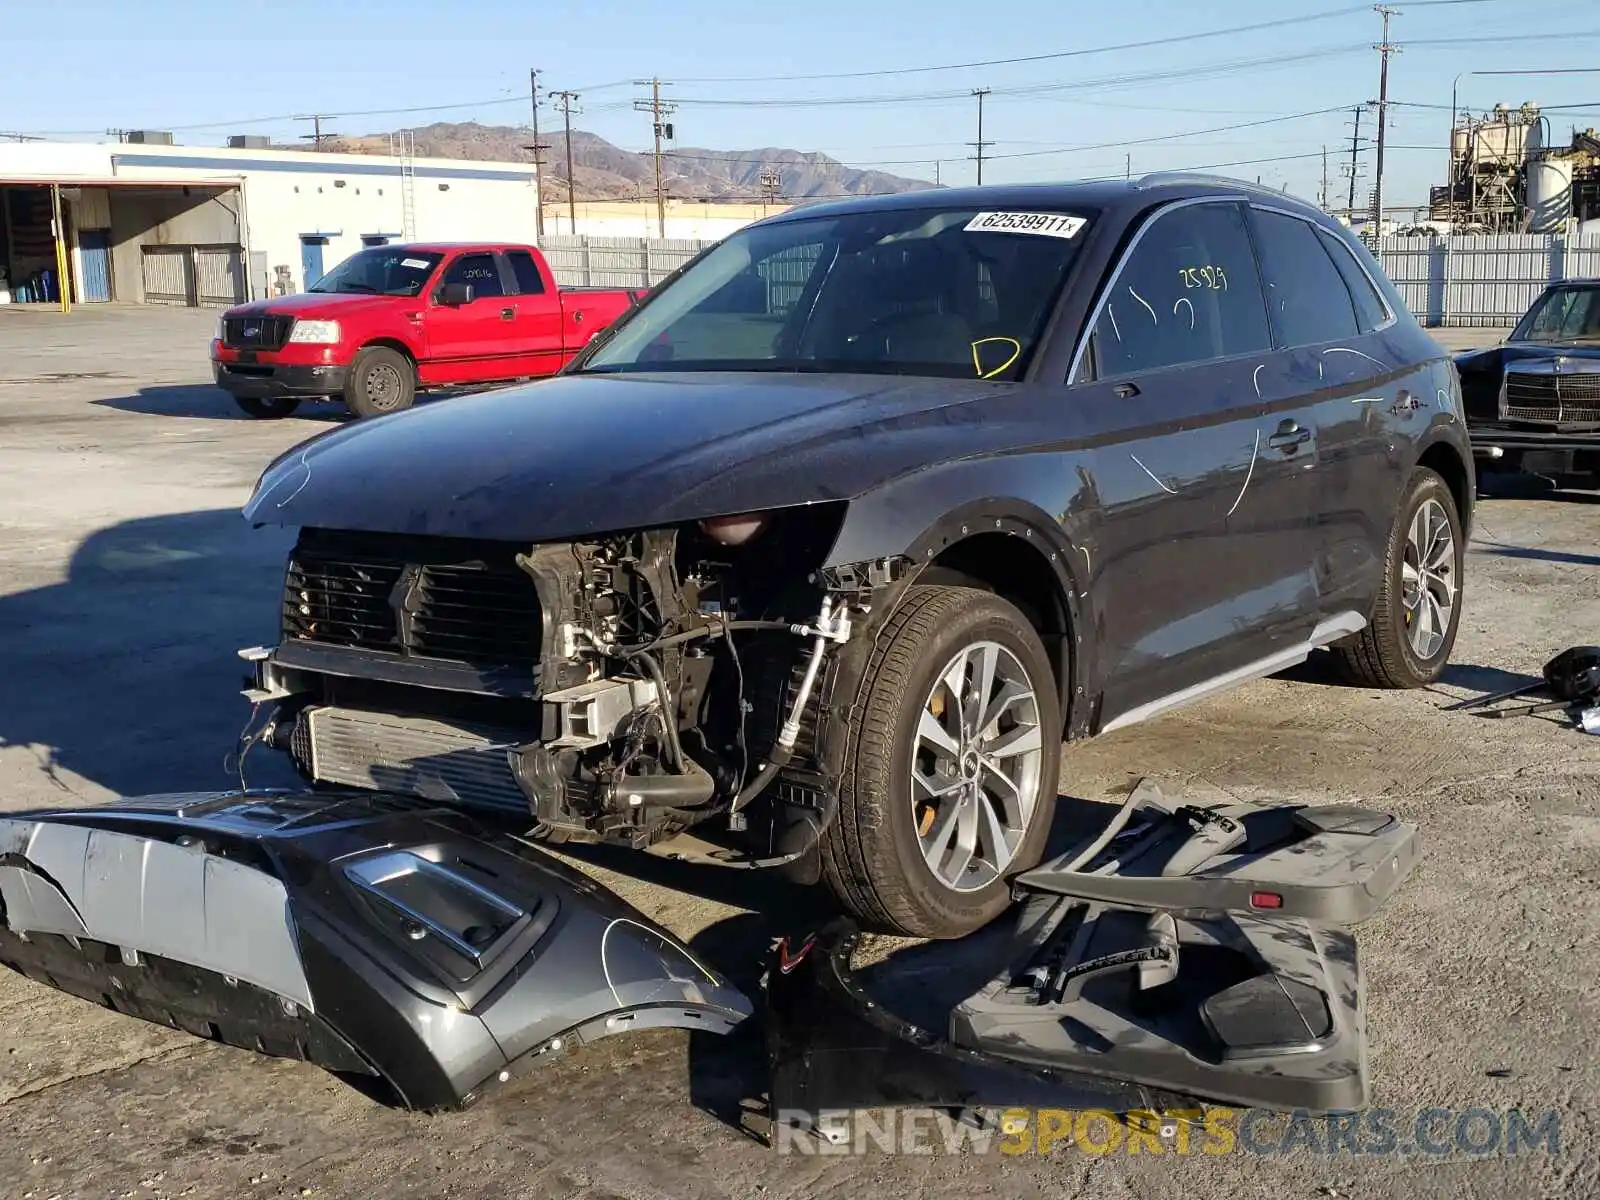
(607, 172)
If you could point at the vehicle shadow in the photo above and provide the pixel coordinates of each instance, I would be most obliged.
(208, 402)
(130, 662)
(1521, 485)
(920, 981)
(1541, 554)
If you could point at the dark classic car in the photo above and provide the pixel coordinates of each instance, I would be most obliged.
(827, 544)
(1533, 401)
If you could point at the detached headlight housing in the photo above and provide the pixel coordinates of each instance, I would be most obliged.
(315, 333)
(735, 530)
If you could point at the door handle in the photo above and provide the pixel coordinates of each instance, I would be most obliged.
(1125, 391)
(1291, 436)
(508, 312)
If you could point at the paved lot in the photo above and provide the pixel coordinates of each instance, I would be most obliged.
(127, 581)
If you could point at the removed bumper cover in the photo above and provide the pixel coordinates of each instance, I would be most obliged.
(366, 933)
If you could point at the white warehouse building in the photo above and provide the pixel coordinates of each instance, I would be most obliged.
(144, 221)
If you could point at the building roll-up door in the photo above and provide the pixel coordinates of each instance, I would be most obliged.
(219, 275)
(166, 274)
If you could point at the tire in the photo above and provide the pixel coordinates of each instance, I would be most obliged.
(267, 408)
(1392, 651)
(381, 381)
(872, 858)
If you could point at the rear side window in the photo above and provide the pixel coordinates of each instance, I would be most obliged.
(1188, 292)
(479, 270)
(1306, 294)
(1370, 309)
(529, 281)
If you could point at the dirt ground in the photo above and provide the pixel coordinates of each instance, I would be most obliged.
(128, 580)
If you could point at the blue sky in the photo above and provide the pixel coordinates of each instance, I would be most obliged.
(217, 69)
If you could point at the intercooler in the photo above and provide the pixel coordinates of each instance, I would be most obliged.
(453, 762)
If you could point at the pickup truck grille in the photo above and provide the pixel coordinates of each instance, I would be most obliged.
(1553, 399)
(434, 598)
(256, 333)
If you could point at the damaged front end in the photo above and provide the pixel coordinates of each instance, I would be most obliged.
(1185, 955)
(369, 934)
(622, 688)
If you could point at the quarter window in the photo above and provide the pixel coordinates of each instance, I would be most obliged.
(480, 271)
(1306, 294)
(529, 281)
(1370, 309)
(1187, 293)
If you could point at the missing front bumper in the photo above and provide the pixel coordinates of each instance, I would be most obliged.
(366, 933)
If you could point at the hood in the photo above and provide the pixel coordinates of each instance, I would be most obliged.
(1507, 352)
(584, 454)
(312, 304)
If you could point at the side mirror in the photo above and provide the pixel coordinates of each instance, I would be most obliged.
(455, 294)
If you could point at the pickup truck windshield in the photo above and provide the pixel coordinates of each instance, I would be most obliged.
(380, 271)
(947, 292)
(1563, 314)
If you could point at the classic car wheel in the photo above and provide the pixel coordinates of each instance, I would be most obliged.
(1413, 627)
(952, 766)
(267, 408)
(381, 381)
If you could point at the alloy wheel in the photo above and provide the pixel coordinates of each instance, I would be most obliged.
(1428, 579)
(975, 766)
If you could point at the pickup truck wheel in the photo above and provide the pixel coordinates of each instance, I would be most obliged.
(1408, 641)
(951, 767)
(267, 408)
(381, 381)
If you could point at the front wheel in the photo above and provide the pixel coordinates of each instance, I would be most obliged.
(1408, 641)
(381, 381)
(951, 767)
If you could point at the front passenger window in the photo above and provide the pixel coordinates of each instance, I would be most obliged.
(1189, 292)
(480, 270)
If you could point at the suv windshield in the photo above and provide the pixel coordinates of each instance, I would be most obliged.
(1562, 314)
(380, 271)
(949, 292)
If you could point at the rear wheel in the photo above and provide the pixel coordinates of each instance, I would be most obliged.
(381, 381)
(1408, 641)
(951, 768)
(267, 408)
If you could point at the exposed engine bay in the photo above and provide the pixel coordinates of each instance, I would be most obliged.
(619, 689)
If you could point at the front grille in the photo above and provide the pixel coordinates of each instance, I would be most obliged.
(256, 333)
(431, 598)
(444, 761)
(1553, 399)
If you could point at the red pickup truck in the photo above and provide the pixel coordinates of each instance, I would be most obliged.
(391, 320)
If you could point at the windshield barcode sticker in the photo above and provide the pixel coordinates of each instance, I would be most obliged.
(416, 264)
(1046, 224)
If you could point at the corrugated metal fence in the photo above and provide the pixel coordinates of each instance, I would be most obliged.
(1483, 280)
(584, 261)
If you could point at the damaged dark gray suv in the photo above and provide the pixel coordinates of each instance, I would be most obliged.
(824, 549)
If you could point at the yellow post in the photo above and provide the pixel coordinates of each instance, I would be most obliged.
(59, 229)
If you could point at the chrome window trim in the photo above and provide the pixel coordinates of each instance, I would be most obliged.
(1111, 283)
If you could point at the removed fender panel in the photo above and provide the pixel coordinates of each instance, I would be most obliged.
(361, 931)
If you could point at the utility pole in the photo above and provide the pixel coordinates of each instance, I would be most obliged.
(316, 137)
(936, 165)
(658, 114)
(1324, 178)
(770, 180)
(1127, 170)
(566, 99)
(1384, 49)
(538, 153)
(1355, 149)
(980, 144)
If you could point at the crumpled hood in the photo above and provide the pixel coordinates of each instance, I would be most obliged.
(585, 454)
